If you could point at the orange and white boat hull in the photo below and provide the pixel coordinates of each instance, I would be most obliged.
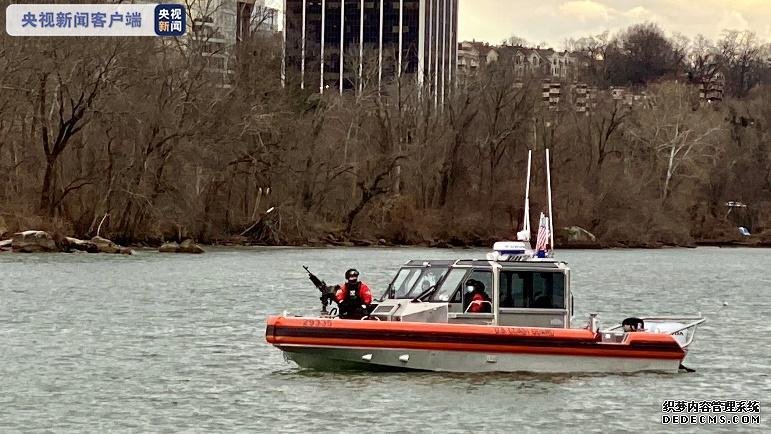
(334, 344)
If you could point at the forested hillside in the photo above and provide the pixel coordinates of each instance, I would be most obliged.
(134, 134)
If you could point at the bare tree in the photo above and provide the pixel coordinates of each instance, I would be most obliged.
(516, 41)
(65, 113)
(675, 133)
(741, 53)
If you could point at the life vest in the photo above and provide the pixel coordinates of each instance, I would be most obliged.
(351, 305)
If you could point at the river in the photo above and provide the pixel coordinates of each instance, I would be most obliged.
(156, 342)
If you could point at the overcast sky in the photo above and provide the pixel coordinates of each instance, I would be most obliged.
(553, 21)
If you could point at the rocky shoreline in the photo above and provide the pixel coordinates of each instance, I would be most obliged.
(335, 240)
(574, 238)
(35, 241)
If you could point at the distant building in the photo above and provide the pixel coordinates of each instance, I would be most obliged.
(543, 62)
(230, 21)
(334, 44)
(711, 88)
(217, 26)
(536, 62)
(473, 55)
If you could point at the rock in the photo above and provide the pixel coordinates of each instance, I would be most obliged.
(81, 245)
(189, 246)
(33, 242)
(171, 247)
(5, 245)
(362, 243)
(40, 241)
(382, 242)
(106, 246)
(577, 234)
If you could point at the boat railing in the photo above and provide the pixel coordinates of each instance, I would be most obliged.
(478, 302)
(689, 325)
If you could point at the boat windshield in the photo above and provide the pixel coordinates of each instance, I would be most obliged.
(449, 285)
(411, 282)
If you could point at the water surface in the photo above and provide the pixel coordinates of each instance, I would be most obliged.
(158, 342)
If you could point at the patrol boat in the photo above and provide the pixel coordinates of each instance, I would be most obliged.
(425, 321)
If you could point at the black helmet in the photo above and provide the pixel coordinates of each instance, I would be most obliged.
(351, 273)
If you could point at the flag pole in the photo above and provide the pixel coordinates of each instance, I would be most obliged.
(548, 183)
(526, 224)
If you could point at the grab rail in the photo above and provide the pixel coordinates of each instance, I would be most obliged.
(480, 302)
(691, 324)
(694, 321)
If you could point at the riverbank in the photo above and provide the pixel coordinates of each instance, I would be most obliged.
(754, 243)
(751, 242)
(332, 241)
(566, 238)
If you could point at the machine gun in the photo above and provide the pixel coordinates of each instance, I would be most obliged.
(327, 292)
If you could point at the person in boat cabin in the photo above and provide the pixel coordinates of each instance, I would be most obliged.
(353, 297)
(428, 281)
(477, 300)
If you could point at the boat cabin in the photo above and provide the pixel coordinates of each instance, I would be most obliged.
(519, 291)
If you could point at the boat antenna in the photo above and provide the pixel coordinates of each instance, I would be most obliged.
(548, 184)
(525, 234)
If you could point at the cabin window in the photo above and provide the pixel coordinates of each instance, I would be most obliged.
(451, 290)
(404, 281)
(486, 278)
(450, 285)
(428, 278)
(531, 289)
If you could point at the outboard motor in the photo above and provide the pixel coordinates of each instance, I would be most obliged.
(633, 325)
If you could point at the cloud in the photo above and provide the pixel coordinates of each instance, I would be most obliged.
(555, 20)
(734, 20)
(640, 14)
(586, 10)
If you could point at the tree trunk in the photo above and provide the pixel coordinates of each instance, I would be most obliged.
(365, 198)
(45, 193)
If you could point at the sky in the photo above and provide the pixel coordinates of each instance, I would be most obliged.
(553, 21)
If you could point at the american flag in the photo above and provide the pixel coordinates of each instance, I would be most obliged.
(543, 234)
